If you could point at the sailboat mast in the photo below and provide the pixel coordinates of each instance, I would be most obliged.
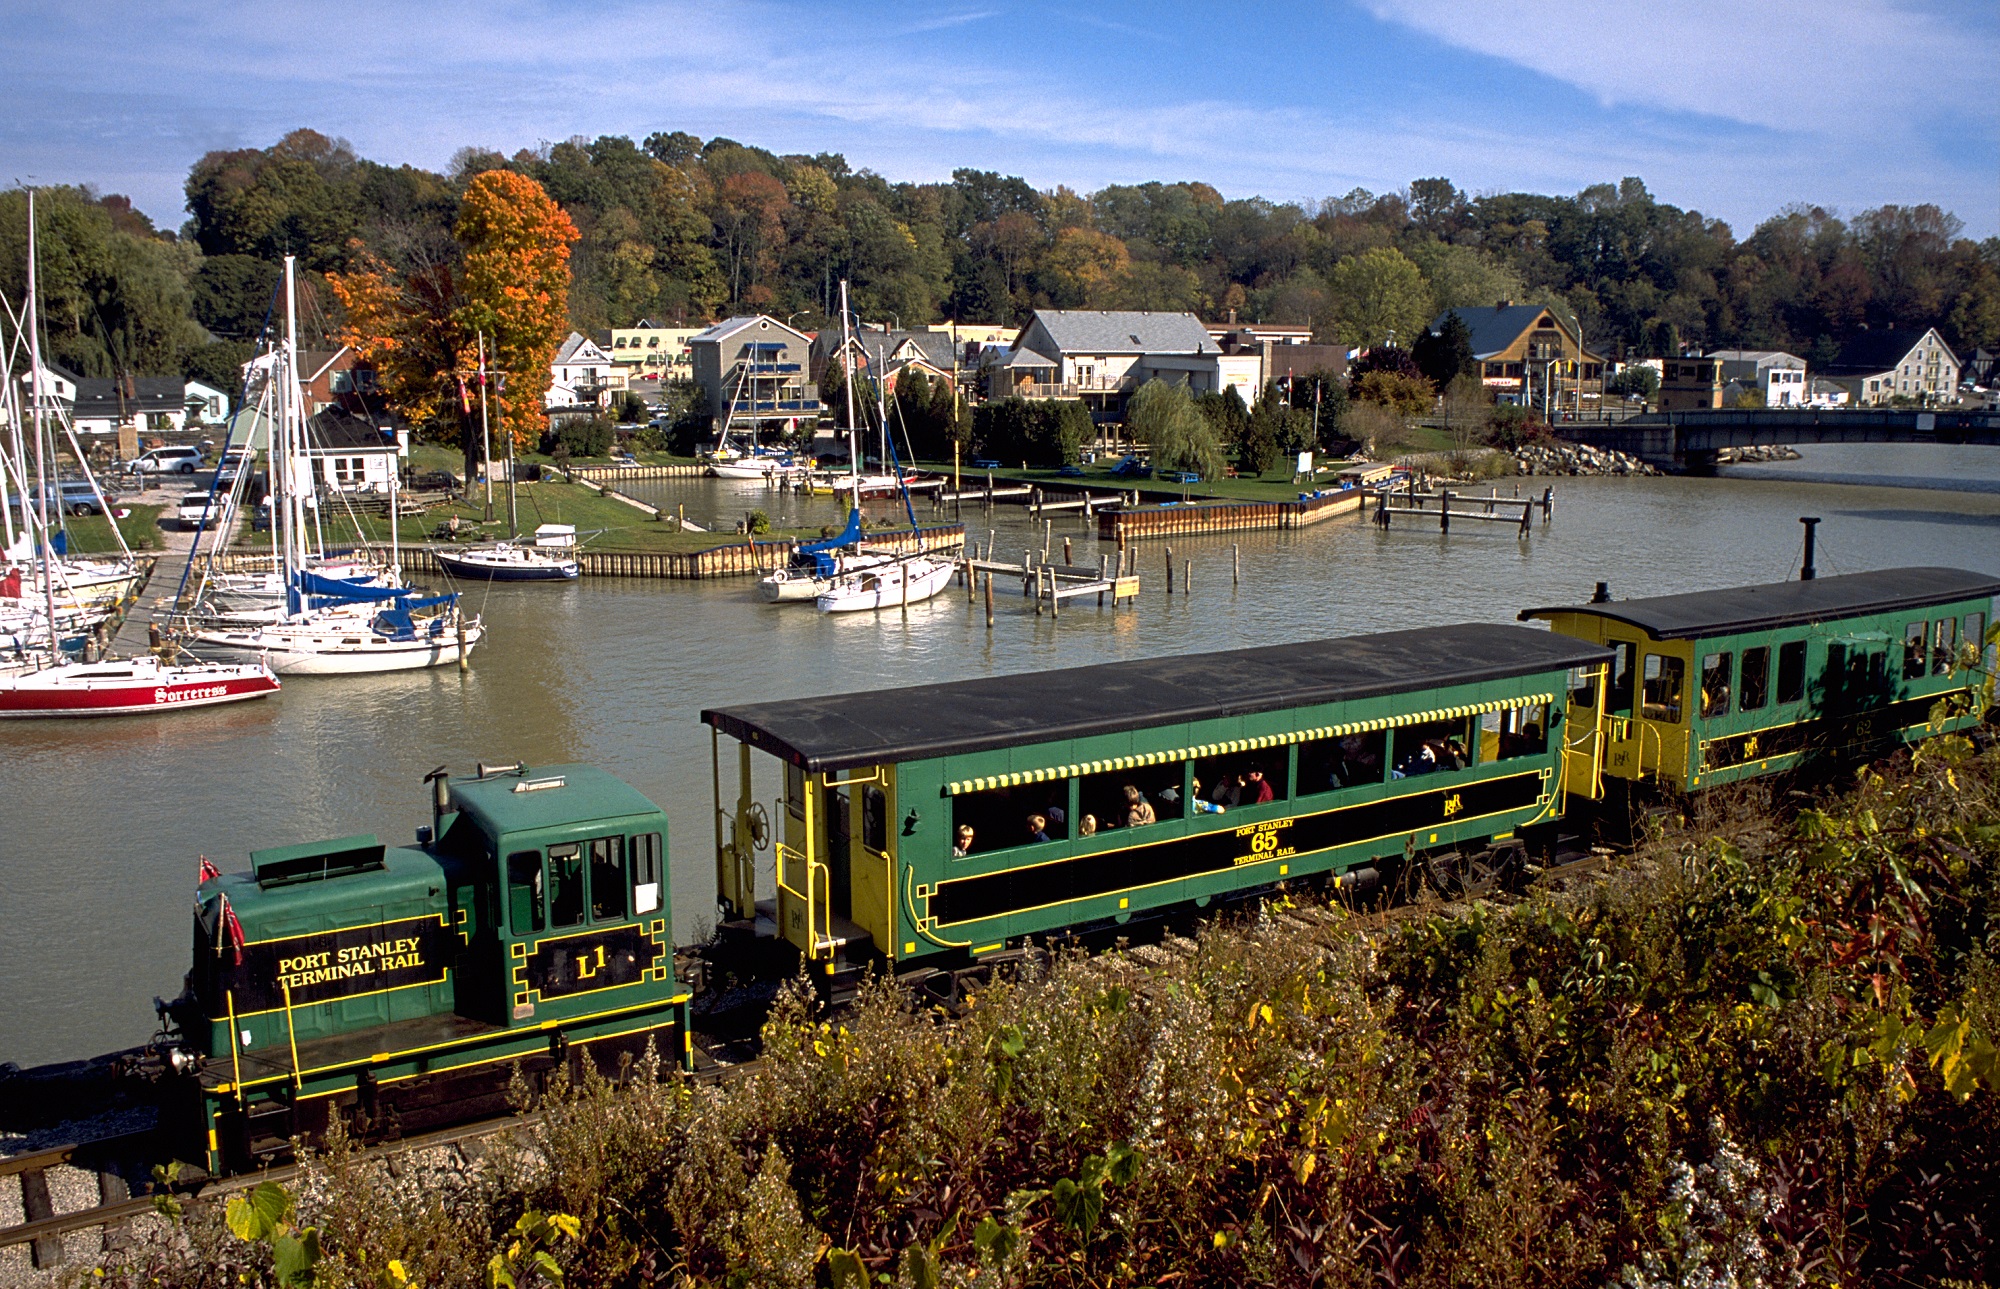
(847, 385)
(289, 405)
(33, 316)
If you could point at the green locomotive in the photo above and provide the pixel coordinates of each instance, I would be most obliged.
(924, 830)
(399, 986)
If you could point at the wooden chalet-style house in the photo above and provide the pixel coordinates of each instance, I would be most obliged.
(1528, 354)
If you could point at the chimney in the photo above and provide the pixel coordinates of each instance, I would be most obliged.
(1602, 595)
(1232, 317)
(1505, 303)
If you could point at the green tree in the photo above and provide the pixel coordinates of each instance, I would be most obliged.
(1445, 354)
(1381, 297)
(1164, 418)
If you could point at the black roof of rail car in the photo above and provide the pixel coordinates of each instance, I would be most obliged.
(1780, 604)
(925, 721)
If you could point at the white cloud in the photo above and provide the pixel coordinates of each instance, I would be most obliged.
(1824, 67)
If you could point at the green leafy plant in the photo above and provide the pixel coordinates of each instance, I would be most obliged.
(263, 1215)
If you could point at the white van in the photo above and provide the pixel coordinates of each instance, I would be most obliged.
(198, 509)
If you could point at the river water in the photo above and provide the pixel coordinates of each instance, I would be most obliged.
(101, 824)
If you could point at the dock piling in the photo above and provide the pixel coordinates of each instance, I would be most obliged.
(1067, 557)
(989, 601)
(1444, 512)
(1235, 564)
(1170, 570)
(1187, 577)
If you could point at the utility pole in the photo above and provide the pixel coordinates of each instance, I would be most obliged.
(485, 436)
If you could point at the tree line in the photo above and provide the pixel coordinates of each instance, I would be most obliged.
(681, 230)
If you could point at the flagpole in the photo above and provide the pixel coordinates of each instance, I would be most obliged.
(485, 435)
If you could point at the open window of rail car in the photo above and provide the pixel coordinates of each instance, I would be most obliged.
(1119, 750)
(1748, 680)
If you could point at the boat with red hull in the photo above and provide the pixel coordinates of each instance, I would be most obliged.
(130, 687)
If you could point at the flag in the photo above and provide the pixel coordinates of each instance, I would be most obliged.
(209, 871)
(464, 399)
(232, 933)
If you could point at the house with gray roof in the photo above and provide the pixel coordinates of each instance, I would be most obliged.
(756, 371)
(1776, 377)
(1103, 356)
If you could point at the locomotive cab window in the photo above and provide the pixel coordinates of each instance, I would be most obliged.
(645, 873)
(1514, 731)
(1913, 651)
(875, 819)
(1715, 671)
(1755, 690)
(1620, 699)
(1350, 761)
(1975, 635)
(607, 879)
(1663, 679)
(524, 891)
(1025, 814)
(1583, 686)
(565, 884)
(1791, 671)
(1239, 779)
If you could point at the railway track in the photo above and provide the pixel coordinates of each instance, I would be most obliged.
(62, 1176)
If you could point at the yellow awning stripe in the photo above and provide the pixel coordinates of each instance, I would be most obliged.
(1205, 750)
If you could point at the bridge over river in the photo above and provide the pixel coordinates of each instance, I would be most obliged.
(1688, 442)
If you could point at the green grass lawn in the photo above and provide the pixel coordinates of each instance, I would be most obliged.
(611, 525)
(91, 534)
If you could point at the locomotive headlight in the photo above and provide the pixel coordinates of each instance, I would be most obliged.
(183, 1062)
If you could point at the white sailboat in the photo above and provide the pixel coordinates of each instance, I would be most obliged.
(330, 626)
(112, 687)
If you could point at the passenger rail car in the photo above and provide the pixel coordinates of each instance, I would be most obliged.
(922, 830)
(930, 826)
(1713, 687)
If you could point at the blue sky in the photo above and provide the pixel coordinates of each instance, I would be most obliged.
(1732, 107)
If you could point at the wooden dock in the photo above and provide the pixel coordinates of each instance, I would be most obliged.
(736, 559)
(1445, 505)
(1196, 518)
(604, 473)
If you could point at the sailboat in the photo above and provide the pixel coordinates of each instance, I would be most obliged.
(330, 626)
(111, 687)
(902, 580)
(551, 557)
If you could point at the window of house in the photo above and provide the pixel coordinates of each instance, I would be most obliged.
(1117, 797)
(1240, 779)
(1791, 671)
(1351, 761)
(607, 879)
(1944, 644)
(1004, 818)
(1755, 689)
(524, 891)
(1432, 747)
(645, 873)
(1715, 672)
(1664, 676)
(1914, 660)
(1514, 731)
(565, 884)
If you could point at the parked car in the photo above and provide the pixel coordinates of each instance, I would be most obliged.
(182, 460)
(199, 509)
(74, 496)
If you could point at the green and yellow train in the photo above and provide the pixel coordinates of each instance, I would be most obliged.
(922, 831)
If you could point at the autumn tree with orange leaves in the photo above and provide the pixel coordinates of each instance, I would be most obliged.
(420, 330)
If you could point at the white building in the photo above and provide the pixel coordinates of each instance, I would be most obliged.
(206, 402)
(1103, 356)
(1879, 366)
(650, 350)
(1777, 377)
(582, 374)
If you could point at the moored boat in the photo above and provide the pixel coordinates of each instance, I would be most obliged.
(551, 557)
(901, 582)
(130, 687)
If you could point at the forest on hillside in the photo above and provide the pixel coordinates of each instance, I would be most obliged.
(682, 230)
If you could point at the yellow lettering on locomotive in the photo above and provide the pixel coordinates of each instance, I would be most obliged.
(585, 968)
(1452, 805)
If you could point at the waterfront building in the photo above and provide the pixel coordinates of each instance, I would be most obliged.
(1103, 356)
(1691, 383)
(1529, 354)
(649, 350)
(756, 370)
(581, 375)
(1773, 375)
(1878, 366)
